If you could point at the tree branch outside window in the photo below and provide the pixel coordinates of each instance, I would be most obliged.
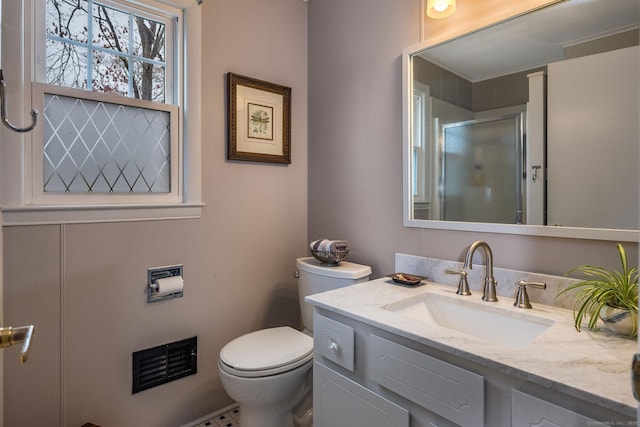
(96, 47)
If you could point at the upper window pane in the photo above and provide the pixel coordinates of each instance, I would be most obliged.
(67, 19)
(66, 66)
(148, 39)
(110, 28)
(127, 53)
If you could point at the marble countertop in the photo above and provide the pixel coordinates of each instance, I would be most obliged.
(595, 367)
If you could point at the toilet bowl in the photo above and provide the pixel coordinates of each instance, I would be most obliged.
(269, 372)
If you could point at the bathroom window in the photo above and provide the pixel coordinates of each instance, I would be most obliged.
(110, 124)
(420, 151)
(109, 78)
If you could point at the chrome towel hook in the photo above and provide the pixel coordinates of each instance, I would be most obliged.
(535, 168)
(3, 111)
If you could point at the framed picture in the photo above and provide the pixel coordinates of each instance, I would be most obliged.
(259, 114)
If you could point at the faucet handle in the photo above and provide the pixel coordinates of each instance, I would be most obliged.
(522, 298)
(463, 284)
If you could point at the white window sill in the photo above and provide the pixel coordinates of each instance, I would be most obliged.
(39, 215)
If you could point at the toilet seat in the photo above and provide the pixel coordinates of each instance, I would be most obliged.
(266, 352)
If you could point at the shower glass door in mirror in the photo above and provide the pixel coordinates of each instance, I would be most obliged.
(481, 173)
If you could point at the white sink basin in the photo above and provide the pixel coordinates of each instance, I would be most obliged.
(509, 326)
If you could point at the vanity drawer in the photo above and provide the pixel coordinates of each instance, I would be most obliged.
(334, 341)
(529, 411)
(444, 389)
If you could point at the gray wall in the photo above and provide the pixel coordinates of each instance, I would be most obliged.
(84, 285)
(355, 147)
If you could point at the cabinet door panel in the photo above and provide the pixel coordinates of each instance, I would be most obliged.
(341, 402)
(447, 390)
(529, 411)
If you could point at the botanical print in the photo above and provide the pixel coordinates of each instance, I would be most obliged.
(260, 121)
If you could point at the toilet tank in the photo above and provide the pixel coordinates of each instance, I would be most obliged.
(315, 277)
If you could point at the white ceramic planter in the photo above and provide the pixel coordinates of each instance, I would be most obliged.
(618, 320)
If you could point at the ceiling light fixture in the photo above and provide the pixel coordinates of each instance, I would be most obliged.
(440, 8)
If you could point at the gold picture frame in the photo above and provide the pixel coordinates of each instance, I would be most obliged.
(259, 120)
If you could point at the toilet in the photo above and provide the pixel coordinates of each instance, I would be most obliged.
(268, 372)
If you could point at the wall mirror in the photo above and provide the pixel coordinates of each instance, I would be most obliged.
(529, 126)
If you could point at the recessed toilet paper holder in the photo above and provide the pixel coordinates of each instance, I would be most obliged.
(157, 273)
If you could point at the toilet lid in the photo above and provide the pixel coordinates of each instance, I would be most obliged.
(267, 349)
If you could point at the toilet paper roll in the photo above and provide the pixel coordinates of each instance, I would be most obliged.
(168, 285)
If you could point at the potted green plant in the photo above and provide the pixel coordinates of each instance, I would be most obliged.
(607, 294)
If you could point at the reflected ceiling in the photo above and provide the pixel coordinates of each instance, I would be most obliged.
(518, 46)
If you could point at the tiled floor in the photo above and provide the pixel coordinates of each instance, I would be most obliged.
(228, 419)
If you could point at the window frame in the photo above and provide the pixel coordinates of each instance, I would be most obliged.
(16, 154)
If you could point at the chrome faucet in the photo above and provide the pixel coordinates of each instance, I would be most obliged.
(463, 284)
(522, 298)
(489, 291)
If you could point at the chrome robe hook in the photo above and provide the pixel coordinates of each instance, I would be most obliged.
(3, 111)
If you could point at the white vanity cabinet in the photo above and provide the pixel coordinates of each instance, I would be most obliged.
(366, 376)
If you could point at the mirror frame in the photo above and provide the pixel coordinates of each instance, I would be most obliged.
(520, 229)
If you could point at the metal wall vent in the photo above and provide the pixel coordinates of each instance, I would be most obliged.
(159, 365)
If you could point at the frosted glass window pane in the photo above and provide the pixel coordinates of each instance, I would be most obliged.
(100, 147)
